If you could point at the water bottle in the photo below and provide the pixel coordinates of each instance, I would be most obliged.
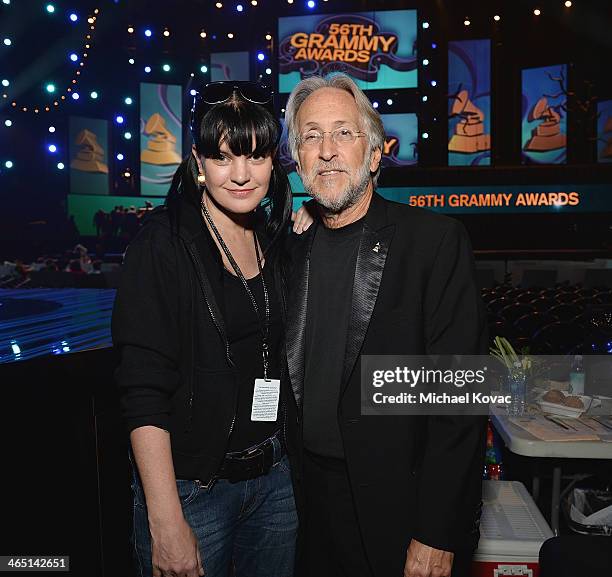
(577, 376)
(516, 389)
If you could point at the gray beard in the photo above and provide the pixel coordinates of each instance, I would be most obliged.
(349, 196)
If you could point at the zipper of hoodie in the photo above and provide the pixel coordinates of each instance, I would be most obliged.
(198, 266)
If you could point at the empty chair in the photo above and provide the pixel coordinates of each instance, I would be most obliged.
(543, 304)
(526, 297)
(565, 311)
(558, 338)
(529, 324)
(512, 312)
(497, 304)
(566, 297)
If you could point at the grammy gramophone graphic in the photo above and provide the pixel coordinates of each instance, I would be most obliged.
(89, 157)
(547, 135)
(161, 144)
(469, 134)
(607, 151)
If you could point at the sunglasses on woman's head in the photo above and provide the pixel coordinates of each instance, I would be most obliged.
(218, 92)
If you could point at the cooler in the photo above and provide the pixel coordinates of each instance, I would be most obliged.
(512, 531)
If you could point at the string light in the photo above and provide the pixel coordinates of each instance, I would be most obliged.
(466, 22)
(203, 69)
(128, 101)
(268, 36)
(202, 34)
(166, 33)
(50, 8)
(130, 30)
(230, 35)
(166, 67)
(8, 122)
(425, 25)
(537, 12)
(51, 87)
(497, 18)
(60, 166)
(568, 4)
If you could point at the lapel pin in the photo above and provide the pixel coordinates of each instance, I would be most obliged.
(376, 247)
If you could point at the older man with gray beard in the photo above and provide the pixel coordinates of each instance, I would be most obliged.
(383, 496)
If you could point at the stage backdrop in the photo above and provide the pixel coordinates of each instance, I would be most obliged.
(377, 49)
(469, 105)
(88, 149)
(604, 131)
(229, 66)
(160, 137)
(544, 128)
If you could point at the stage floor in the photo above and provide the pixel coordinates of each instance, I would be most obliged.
(37, 322)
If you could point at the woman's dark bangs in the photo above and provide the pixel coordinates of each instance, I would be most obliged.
(235, 126)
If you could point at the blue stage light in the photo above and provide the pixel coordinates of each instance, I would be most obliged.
(119, 156)
(193, 92)
(50, 88)
(375, 104)
(60, 166)
(94, 95)
(52, 148)
(73, 17)
(261, 56)
(147, 69)
(310, 4)
(8, 164)
(239, 7)
(119, 119)
(75, 95)
(74, 57)
(148, 33)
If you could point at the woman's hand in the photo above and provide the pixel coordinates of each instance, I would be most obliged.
(175, 550)
(301, 220)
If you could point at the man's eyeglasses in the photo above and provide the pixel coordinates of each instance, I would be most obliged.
(340, 137)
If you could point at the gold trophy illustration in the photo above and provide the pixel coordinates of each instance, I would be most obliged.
(547, 135)
(90, 156)
(469, 134)
(161, 144)
(607, 151)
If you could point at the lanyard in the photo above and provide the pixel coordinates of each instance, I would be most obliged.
(265, 326)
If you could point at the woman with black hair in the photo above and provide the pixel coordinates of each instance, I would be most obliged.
(198, 323)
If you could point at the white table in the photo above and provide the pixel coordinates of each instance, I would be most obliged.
(524, 443)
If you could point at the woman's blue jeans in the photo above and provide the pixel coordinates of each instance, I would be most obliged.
(244, 529)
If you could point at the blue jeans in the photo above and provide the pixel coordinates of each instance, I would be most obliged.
(244, 529)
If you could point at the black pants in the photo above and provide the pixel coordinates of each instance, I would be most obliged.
(332, 545)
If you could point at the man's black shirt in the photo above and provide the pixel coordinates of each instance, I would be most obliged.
(330, 289)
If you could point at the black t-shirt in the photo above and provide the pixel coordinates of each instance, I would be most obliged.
(330, 289)
(245, 337)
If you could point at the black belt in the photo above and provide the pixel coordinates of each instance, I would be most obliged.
(250, 463)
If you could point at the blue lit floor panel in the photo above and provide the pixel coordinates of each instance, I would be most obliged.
(35, 322)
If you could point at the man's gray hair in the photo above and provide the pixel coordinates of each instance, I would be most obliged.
(373, 125)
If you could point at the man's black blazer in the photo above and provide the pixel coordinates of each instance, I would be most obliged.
(414, 293)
